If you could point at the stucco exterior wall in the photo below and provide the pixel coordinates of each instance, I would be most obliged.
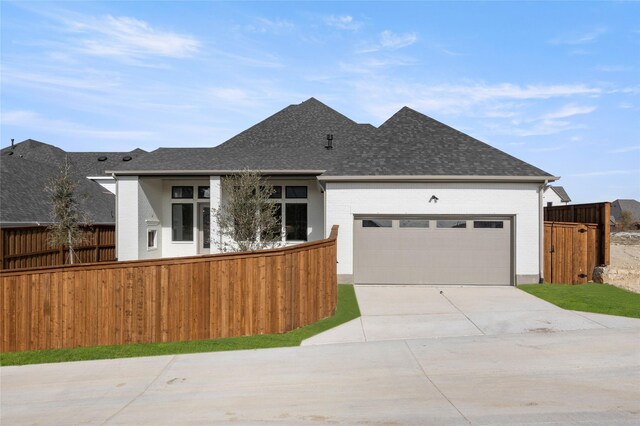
(521, 200)
(127, 218)
(149, 216)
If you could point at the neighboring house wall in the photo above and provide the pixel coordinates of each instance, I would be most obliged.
(346, 199)
(550, 196)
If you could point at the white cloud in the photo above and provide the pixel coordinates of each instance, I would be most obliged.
(624, 149)
(265, 25)
(568, 111)
(580, 38)
(34, 122)
(344, 22)
(388, 40)
(127, 37)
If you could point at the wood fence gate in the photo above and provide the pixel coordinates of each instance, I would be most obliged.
(571, 252)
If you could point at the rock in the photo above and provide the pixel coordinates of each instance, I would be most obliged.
(600, 274)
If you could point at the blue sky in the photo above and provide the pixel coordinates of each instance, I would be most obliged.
(555, 84)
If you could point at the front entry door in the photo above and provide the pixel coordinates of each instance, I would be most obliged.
(204, 228)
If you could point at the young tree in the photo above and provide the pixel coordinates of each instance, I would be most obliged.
(247, 220)
(625, 220)
(66, 212)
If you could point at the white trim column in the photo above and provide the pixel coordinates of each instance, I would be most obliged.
(215, 195)
(127, 228)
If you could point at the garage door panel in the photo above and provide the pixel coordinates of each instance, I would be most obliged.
(434, 255)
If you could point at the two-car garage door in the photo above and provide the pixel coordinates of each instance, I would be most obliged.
(433, 250)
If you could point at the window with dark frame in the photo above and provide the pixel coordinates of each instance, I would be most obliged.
(182, 192)
(277, 192)
(151, 238)
(277, 229)
(377, 223)
(296, 221)
(296, 192)
(414, 223)
(182, 222)
(488, 224)
(456, 224)
(203, 192)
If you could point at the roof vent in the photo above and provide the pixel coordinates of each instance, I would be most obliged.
(102, 158)
(329, 142)
(12, 145)
(127, 158)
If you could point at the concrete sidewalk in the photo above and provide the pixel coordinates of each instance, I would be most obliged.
(585, 376)
(417, 312)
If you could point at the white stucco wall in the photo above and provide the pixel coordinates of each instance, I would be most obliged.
(149, 216)
(127, 228)
(346, 199)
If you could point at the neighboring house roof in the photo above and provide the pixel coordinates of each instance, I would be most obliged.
(407, 144)
(25, 171)
(632, 206)
(561, 193)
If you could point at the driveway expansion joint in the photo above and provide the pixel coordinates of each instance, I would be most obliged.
(165, 368)
(413, 355)
(460, 310)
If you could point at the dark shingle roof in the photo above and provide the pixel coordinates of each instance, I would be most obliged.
(408, 144)
(561, 193)
(26, 169)
(632, 206)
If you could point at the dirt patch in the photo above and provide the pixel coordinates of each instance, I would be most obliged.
(624, 271)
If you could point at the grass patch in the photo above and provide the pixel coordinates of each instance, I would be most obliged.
(590, 297)
(347, 310)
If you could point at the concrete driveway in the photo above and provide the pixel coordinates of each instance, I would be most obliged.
(494, 373)
(416, 312)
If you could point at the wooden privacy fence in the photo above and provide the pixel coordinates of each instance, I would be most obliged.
(28, 247)
(594, 213)
(176, 299)
(571, 252)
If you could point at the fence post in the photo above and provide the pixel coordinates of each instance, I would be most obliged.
(2, 248)
(97, 237)
(606, 234)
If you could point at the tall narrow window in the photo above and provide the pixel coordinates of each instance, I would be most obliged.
(182, 222)
(296, 221)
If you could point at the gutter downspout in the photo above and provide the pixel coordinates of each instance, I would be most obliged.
(113, 175)
(541, 232)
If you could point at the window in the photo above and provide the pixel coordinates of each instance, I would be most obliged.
(549, 203)
(182, 192)
(414, 223)
(296, 221)
(277, 192)
(296, 192)
(152, 241)
(376, 223)
(203, 192)
(182, 222)
(277, 229)
(452, 224)
(494, 224)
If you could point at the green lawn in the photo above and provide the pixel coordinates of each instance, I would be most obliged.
(599, 298)
(347, 310)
